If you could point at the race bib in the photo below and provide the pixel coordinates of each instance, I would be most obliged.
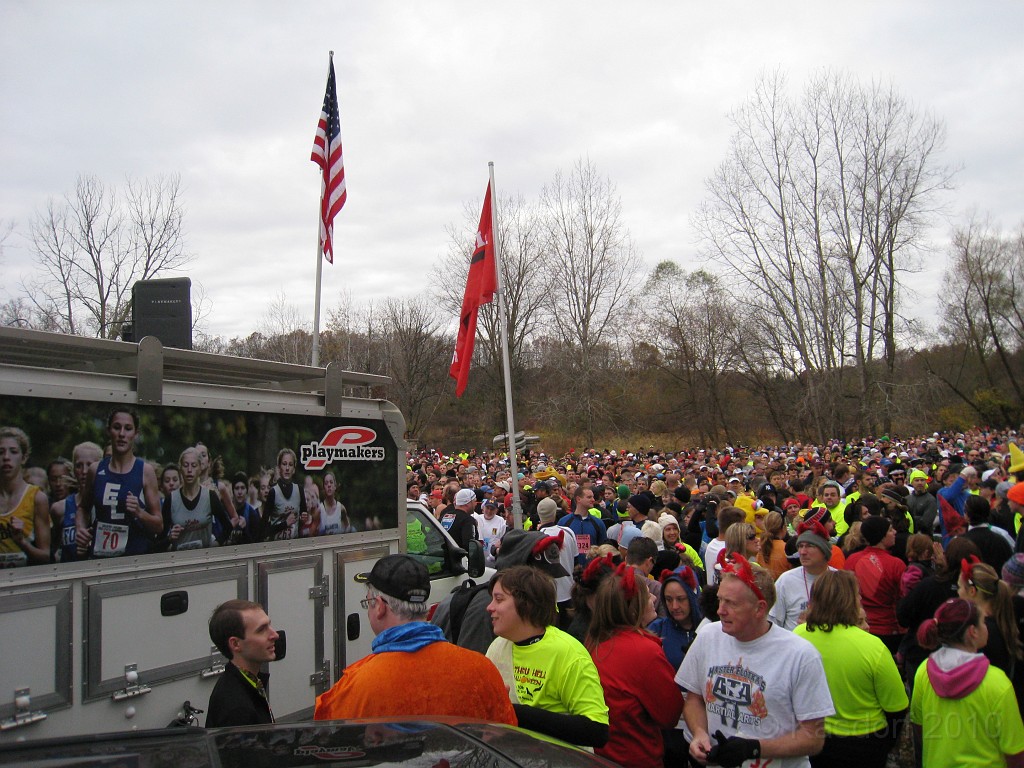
(583, 540)
(111, 540)
(13, 559)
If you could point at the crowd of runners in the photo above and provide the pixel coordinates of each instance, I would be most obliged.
(774, 605)
(783, 605)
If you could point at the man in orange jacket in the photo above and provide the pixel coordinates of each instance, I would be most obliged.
(456, 681)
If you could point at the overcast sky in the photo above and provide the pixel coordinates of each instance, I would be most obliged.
(228, 94)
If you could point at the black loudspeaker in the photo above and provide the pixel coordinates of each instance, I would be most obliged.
(163, 308)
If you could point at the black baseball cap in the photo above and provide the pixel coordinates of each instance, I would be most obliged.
(400, 577)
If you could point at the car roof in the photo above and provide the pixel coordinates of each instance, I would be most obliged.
(412, 742)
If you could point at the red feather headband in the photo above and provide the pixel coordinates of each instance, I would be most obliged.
(738, 566)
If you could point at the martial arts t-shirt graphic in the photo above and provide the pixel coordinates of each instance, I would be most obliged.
(759, 689)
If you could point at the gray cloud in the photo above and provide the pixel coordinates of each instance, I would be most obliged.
(227, 94)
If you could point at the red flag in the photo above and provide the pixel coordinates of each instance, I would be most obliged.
(327, 154)
(481, 283)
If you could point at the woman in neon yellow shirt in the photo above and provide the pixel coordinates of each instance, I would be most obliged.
(553, 683)
(865, 684)
(964, 711)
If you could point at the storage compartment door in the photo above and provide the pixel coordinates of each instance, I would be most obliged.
(35, 633)
(158, 623)
(294, 593)
(352, 633)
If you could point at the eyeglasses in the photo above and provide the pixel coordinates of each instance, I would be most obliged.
(366, 602)
(751, 537)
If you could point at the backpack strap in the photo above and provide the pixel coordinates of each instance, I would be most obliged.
(462, 596)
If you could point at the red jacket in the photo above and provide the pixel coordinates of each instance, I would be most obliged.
(642, 697)
(879, 575)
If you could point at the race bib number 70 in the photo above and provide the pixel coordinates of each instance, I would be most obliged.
(111, 540)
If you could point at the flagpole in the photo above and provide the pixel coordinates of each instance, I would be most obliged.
(315, 361)
(517, 506)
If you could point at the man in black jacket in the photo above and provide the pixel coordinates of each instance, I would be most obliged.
(458, 519)
(242, 632)
(995, 544)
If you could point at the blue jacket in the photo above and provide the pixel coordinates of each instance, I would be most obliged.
(956, 495)
(675, 640)
(589, 526)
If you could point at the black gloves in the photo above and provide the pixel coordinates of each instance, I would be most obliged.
(732, 751)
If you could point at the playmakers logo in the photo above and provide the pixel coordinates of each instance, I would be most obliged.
(330, 753)
(341, 444)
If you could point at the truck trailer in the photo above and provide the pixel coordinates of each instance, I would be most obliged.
(96, 643)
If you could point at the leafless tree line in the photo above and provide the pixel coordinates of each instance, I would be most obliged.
(983, 322)
(790, 325)
(818, 214)
(571, 272)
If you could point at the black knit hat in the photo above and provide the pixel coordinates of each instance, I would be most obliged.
(640, 503)
(874, 528)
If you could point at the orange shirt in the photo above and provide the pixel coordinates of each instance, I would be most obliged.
(438, 679)
(778, 563)
(838, 559)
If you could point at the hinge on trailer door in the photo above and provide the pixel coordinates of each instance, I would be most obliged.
(321, 592)
(322, 677)
(216, 664)
(23, 714)
(134, 687)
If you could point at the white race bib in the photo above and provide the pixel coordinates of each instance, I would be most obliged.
(111, 539)
(12, 559)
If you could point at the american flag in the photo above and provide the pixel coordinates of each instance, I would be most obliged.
(327, 154)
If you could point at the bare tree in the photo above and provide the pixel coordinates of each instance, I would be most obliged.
(288, 331)
(817, 211)
(341, 342)
(202, 308)
(283, 335)
(593, 269)
(755, 347)
(760, 221)
(18, 313)
(415, 356)
(688, 319)
(6, 229)
(882, 155)
(521, 262)
(94, 245)
(983, 314)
